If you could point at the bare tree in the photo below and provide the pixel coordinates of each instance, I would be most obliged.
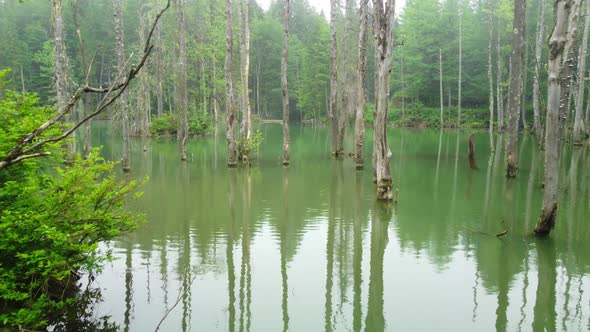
(536, 85)
(359, 125)
(284, 83)
(229, 101)
(34, 144)
(337, 149)
(86, 134)
(460, 63)
(440, 86)
(499, 79)
(245, 129)
(515, 87)
(563, 29)
(384, 14)
(579, 121)
(122, 101)
(182, 132)
(490, 74)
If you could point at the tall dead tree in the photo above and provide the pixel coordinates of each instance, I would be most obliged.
(460, 83)
(538, 128)
(565, 13)
(143, 101)
(182, 132)
(499, 79)
(245, 129)
(568, 65)
(440, 86)
(579, 129)
(229, 99)
(490, 73)
(337, 149)
(359, 125)
(384, 14)
(123, 109)
(518, 44)
(86, 132)
(284, 83)
(159, 87)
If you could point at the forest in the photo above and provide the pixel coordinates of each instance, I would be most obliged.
(238, 113)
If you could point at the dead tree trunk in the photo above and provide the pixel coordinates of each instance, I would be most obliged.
(284, 83)
(182, 133)
(536, 85)
(384, 14)
(143, 102)
(440, 83)
(86, 131)
(159, 88)
(337, 149)
(565, 17)
(515, 87)
(490, 73)
(229, 99)
(579, 129)
(245, 129)
(460, 67)
(122, 101)
(499, 80)
(568, 66)
(359, 125)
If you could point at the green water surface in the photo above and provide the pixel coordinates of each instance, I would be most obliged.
(307, 248)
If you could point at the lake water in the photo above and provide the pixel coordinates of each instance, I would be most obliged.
(307, 248)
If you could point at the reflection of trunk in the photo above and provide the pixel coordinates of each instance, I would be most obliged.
(579, 121)
(357, 258)
(536, 85)
(518, 41)
(544, 310)
(471, 150)
(284, 235)
(128, 288)
(182, 135)
(231, 276)
(229, 99)
(562, 31)
(384, 14)
(284, 84)
(359, 125)
(490, 74)
(330, 252)
(375, 320)
(122, 101)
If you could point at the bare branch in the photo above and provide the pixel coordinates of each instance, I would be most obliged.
(19, 151)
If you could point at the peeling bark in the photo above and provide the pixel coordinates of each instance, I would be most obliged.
(229, 99)
(518, 43)
(284, 83)
(359, 125)
(122, 102)
(579, 130)
(536, 85)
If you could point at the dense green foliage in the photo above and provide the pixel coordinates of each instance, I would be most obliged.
(199, 124)
(52, 218)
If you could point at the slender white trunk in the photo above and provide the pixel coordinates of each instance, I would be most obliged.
(182, 133)
(579, 121)
(359, 125)
(122, 101)
(284, 82)
(229, 99)
(440, 83)
(536, 85)
(460, 66)
(490, 73)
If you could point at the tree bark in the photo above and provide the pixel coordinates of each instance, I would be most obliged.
(579, 129)
(490, 73)
(86, 133)
(564, 13)
(499, 79)
(460, 66)
(229, 99)
(440, 83)
(122, 101)
(359, 125)
(568, 67)
(284, 83)
(337, 149)
(182, 132)
(384, 14)
(536, 85)
(144, 98)
(515, 87)
(245, 129)
(159, 89)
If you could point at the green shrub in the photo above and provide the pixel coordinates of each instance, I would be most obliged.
(199, 124)
(165, 125)
(248, 149)
(52, 218)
